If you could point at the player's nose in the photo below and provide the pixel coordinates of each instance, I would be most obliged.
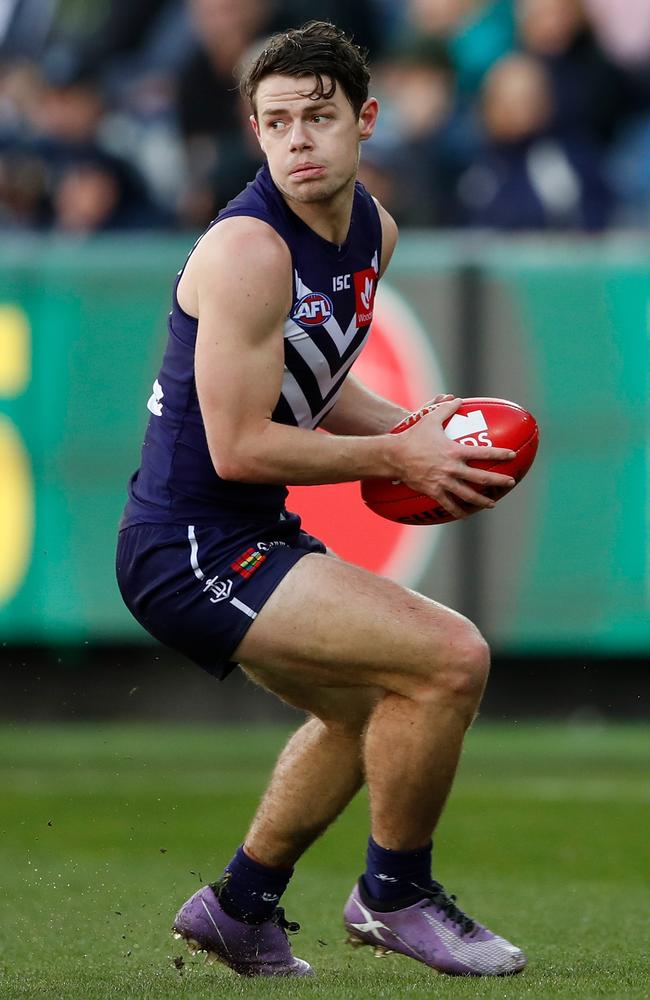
(299, 136)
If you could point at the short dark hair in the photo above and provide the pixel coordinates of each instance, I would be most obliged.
(319, 49)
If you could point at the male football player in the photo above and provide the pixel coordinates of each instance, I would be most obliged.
(269, 314)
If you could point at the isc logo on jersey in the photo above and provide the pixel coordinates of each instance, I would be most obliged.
(312, 309)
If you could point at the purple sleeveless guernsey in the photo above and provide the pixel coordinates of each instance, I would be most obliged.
(333, 294)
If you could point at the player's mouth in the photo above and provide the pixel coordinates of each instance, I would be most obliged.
(306, 171)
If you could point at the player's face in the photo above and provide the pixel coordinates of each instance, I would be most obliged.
(312, 145)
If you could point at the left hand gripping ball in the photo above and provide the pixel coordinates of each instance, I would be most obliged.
(480, 422)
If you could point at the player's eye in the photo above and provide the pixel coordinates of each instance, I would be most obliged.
(320, 118)
(276, 125)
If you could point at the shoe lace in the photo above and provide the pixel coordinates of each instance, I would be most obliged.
(221, 883)
(279, 918)
(436, 896)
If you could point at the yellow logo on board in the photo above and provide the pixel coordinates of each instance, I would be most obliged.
(16, 479)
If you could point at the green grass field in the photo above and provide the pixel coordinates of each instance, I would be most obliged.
(105, 830)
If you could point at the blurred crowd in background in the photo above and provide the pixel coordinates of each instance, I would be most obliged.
(499, 114)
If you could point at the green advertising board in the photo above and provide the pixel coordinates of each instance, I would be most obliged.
(560, 327)
(578, 317)
(89, 321)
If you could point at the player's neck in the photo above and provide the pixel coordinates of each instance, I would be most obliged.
(329, 218)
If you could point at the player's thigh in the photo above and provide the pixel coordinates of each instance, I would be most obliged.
(349, 707)
(333, 624)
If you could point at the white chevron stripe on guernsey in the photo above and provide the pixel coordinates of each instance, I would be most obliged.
(301, 287)
(341, 339)
(293, 332)
(299, 398)
(316, 362)
(319, 365)
(295, 396)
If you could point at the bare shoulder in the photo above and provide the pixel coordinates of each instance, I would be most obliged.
(241, 238)
(236, 254)
(389, 234)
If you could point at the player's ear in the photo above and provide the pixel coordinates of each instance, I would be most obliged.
(256, 129)
(368, 118)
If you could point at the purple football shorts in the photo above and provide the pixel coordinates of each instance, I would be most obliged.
(198, 588)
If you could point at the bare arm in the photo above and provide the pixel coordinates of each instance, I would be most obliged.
(241, 277)
(241, 272)
(358, 410)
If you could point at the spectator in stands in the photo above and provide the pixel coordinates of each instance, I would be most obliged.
(24, 203)
(529, 175)
(23, 180)
(424, 142)
(623, 30)
(70, 111)
(97, 193)
(476, 33)
(134, 49)
(589, 91)
(221, 151)
(21, 87)
(134, 38)
(145, 106)
(362, 20)
(61, 152)
(25, 26)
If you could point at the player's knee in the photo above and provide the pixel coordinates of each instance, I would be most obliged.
(468, 665)
(461, 672)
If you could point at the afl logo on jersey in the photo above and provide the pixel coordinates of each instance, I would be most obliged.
(312, 309)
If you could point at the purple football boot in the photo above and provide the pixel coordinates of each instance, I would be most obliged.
(432, 930)
(249, 949)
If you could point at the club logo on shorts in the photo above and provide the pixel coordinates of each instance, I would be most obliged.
(275, 544)
(247, 563)
(220, 589)
(312, 309)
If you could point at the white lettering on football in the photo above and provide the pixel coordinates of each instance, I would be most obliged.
(461, 425)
